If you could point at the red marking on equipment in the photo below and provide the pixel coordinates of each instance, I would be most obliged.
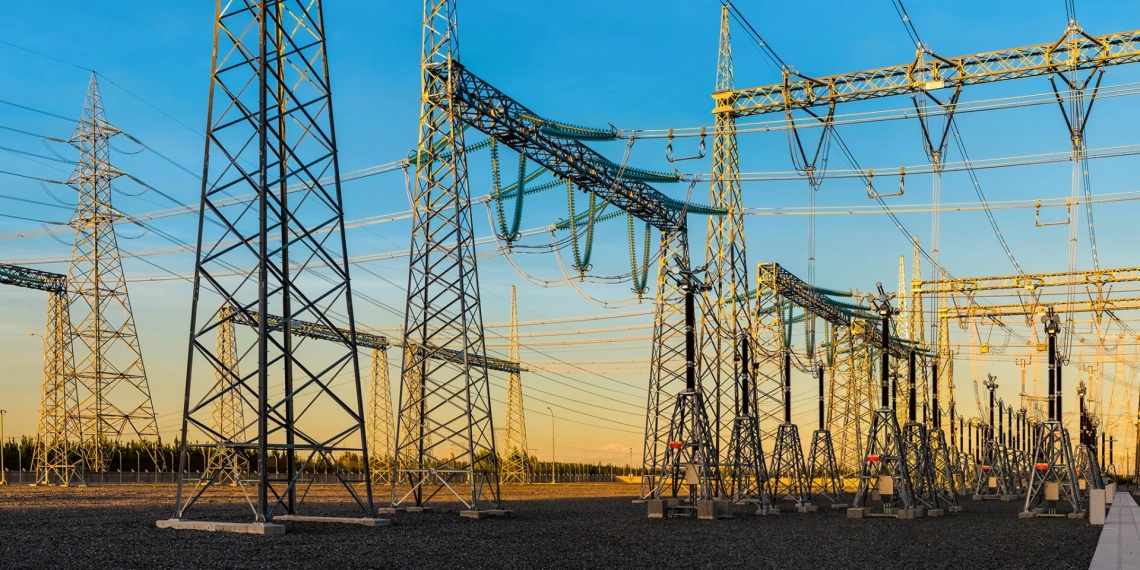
(1042, 466)
(873, 458)
(675, 445)
(985, 468)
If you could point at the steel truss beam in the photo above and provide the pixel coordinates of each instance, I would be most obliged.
(29, 278)
(1028, 281)
(1014, 309)
(374, 341)
(929, 71)
(270, 130)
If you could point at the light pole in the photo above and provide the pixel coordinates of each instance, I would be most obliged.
(3, 473)
(553, 460)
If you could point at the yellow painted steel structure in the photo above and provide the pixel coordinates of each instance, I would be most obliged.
(1012, 309)
(1027, 281)
(730, 321)
(1075, 50)
(57, 457)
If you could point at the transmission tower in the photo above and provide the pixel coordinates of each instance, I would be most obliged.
(381, 435)
(516, 464)
(227, 415)
(57, 458)
(730, 318)
(109, 363)
(270, 131)
(444, 311)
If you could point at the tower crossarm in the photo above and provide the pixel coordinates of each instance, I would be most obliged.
(1028, 281)
(368, 340)
(1073, 51)
(32, 279)
(499, 116)
(775, 280)
(1013, 309)
(794, 289)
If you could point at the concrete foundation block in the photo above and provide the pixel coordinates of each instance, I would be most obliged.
(714, 509)
(1026, 515)
(420, 509)
(1096, 507)
(935, 513)
(340, 520)
(977, 497)
(656, 508)
(1006, 498)
(391, 510)
(955, 509)
(484, 514)
(1079, 515)
(858, 512)
(264, 529)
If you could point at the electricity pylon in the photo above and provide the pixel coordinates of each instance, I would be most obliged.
(227, 414)
(444, 310)
(381, 432)
(270, 131)
(729, 297)
(516, 462)
(109, 363)
(58, 456)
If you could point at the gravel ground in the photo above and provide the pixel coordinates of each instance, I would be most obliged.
(562, 526)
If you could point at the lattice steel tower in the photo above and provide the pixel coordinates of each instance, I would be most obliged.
(57, 458)
(727, 275)
(115, 397)
(516, 462)
(444, 311)
(270, 132)
(381, 432)
(227, 414)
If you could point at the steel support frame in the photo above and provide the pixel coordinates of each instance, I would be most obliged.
(115, 399)
(270, 127)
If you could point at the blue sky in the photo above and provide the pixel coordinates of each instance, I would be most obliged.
(637, 65)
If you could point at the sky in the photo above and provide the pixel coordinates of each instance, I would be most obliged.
(635, 65)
